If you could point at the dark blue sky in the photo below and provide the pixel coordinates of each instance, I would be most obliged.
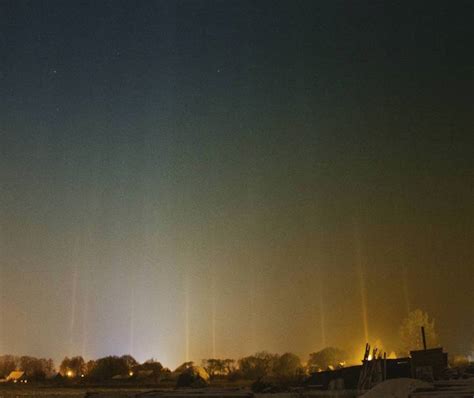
(239, 162)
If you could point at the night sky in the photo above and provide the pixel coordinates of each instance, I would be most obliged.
(190, 179)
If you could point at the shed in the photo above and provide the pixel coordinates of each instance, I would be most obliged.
(428, 364)
(17, 376)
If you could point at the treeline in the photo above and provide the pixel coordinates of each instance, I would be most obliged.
(254, 367)
(75, 367)
(109, 367)
(265, 364)
(35, 368)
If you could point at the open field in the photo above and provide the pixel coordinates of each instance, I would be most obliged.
(62, 392)
(395, 388)
(131, 392)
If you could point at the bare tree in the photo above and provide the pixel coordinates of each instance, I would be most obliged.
(410, 331)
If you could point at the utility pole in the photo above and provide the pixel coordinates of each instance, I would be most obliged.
(424, 337)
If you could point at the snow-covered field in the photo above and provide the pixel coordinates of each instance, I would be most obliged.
(395, 388)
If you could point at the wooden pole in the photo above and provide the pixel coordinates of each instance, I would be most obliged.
(424, 337)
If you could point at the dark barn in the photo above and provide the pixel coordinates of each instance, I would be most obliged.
(428, 364)
(396, 368)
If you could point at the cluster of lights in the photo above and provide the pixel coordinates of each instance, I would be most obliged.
(70, 373)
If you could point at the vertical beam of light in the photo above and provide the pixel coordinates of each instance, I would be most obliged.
(131, 344)
(253, 315)
(363, 297)
(361, 279)
(398, 205)
(85, 293)
(406, 296)
(2, 294)
(215, 181)
(404, 275)
(85, 311)
(213, 310)
(322, 317)
(253, 223)
(186, 316)
(322, 304)
(253, 276)
(212, 270)
(72, 322)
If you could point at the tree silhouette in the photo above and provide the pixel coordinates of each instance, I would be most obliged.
(326, 358)
(257, 366)
(287, 366)
(410, 331)
(72, 367)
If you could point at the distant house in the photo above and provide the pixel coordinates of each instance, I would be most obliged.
(145, 375)
(121, 377)
(137, 375)
(17, 376)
